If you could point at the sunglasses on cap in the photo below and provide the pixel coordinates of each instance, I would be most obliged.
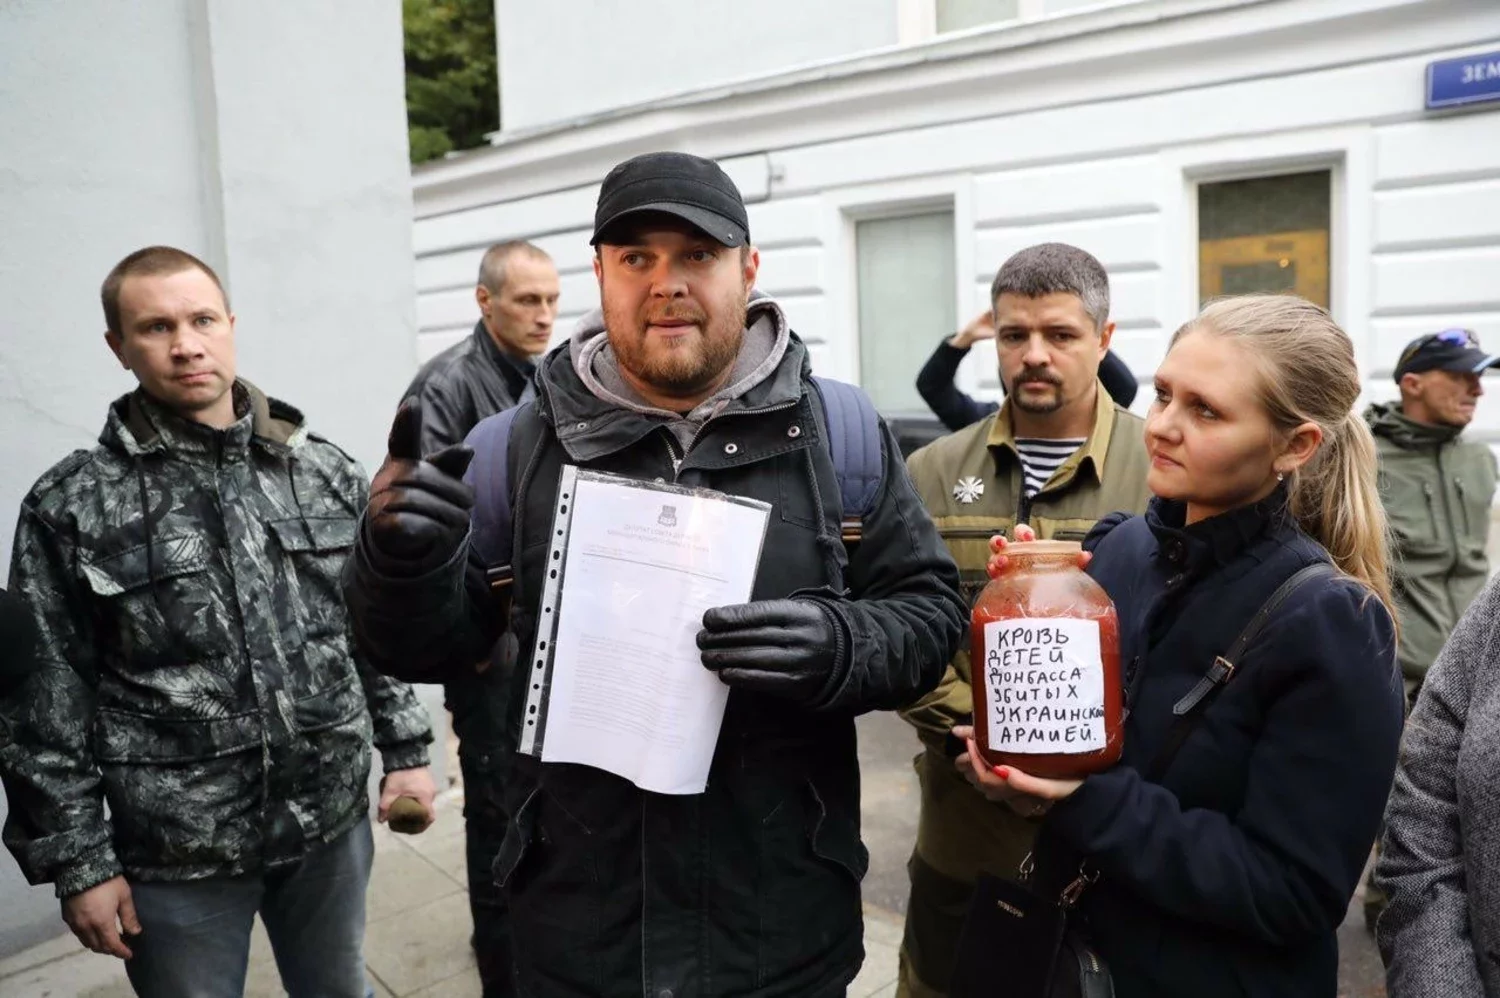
(1451, 337)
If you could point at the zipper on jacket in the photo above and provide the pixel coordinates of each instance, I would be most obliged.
(672, 452)
(1431, 508)
(1463, 505)
(1453, 609)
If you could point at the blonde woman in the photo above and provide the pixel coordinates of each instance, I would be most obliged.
(1229, 874)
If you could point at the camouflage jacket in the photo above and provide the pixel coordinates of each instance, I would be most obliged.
(197, 671)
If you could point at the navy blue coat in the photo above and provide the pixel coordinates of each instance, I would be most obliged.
(1230, 877)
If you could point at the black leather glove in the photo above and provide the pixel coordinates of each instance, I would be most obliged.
(419, 507)
(786, 648)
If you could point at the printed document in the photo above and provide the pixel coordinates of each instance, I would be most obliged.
(637, 565)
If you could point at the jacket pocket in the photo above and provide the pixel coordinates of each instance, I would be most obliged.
(129, 738)
(159, 605)
(1474, 518)
(330, 708)
(328, 770)
(969, 545)
(516, 844)
(552, 869)
(182, 792)
(811, 865)
(314, 549)
(835, 838)
(1411, 506)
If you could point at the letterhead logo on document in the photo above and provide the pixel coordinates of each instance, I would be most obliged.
(668, 517)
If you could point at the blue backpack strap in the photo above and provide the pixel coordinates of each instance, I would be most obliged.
(489, 477)
(854, 441)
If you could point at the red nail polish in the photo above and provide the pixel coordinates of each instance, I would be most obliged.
(1002, 771)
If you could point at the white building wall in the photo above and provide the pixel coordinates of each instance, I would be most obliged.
(268, 139)
(1093, 130)
(570, 58)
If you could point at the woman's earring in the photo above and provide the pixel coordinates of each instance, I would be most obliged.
(1280, 477)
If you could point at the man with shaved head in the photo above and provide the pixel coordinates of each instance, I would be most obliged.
(489, 369)
(191, 747)
(486, 372)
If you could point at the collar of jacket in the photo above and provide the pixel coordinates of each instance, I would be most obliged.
(1217, 539)
(590, 428)
(1387, 420)
(515, 372)
(139, 424)
(1091, 454)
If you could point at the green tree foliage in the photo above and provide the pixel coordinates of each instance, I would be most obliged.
(452, 91)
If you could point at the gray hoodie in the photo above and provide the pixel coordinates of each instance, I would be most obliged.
(766, 337)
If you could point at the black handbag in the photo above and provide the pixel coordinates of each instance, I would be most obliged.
(1016, 943)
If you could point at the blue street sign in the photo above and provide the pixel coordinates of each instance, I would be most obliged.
(1472, 79)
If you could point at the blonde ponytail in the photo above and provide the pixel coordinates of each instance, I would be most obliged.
(1308, 375)
(1336, 500)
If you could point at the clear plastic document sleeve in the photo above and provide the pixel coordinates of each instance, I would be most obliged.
(615, 680)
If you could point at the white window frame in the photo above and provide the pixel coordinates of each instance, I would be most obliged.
(916, 20)
(845, 207)
(1348, 153)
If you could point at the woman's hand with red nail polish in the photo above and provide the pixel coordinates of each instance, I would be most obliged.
(1027, 795)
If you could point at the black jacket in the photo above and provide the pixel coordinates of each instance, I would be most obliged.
(957, 410)
(751, 888)
(1232, 875)
(470, 380)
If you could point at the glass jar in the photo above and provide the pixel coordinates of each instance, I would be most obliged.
(1045, 655)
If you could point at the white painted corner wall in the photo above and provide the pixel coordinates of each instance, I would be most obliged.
(270, 140)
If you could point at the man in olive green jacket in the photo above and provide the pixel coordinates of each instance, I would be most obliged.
(1059, 456)
(1437, 489)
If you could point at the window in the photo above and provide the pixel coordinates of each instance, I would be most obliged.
(907, 302)
(956, 15)
(1267, 234)
(922, 19)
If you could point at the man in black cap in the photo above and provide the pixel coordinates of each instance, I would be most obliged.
(1437, 489)
(751, 887)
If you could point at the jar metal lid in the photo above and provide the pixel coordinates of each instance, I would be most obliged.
(1030, 549)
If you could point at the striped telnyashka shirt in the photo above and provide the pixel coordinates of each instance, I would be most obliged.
(1040, 458)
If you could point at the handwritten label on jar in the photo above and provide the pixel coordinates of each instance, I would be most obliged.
(1044, 685)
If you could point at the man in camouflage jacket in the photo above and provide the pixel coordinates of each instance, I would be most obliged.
(196, 670)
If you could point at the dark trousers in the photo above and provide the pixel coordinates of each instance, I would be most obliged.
(479, 719)
(195, 934)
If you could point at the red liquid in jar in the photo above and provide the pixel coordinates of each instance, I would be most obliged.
(1046, 675)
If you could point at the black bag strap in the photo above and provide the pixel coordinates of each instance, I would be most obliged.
(1189, 710)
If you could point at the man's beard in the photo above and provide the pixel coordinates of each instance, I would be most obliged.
(689, 367)
(1036, 406)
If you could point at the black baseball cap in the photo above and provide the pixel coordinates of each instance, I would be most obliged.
(1451, 350)
(694, 189)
